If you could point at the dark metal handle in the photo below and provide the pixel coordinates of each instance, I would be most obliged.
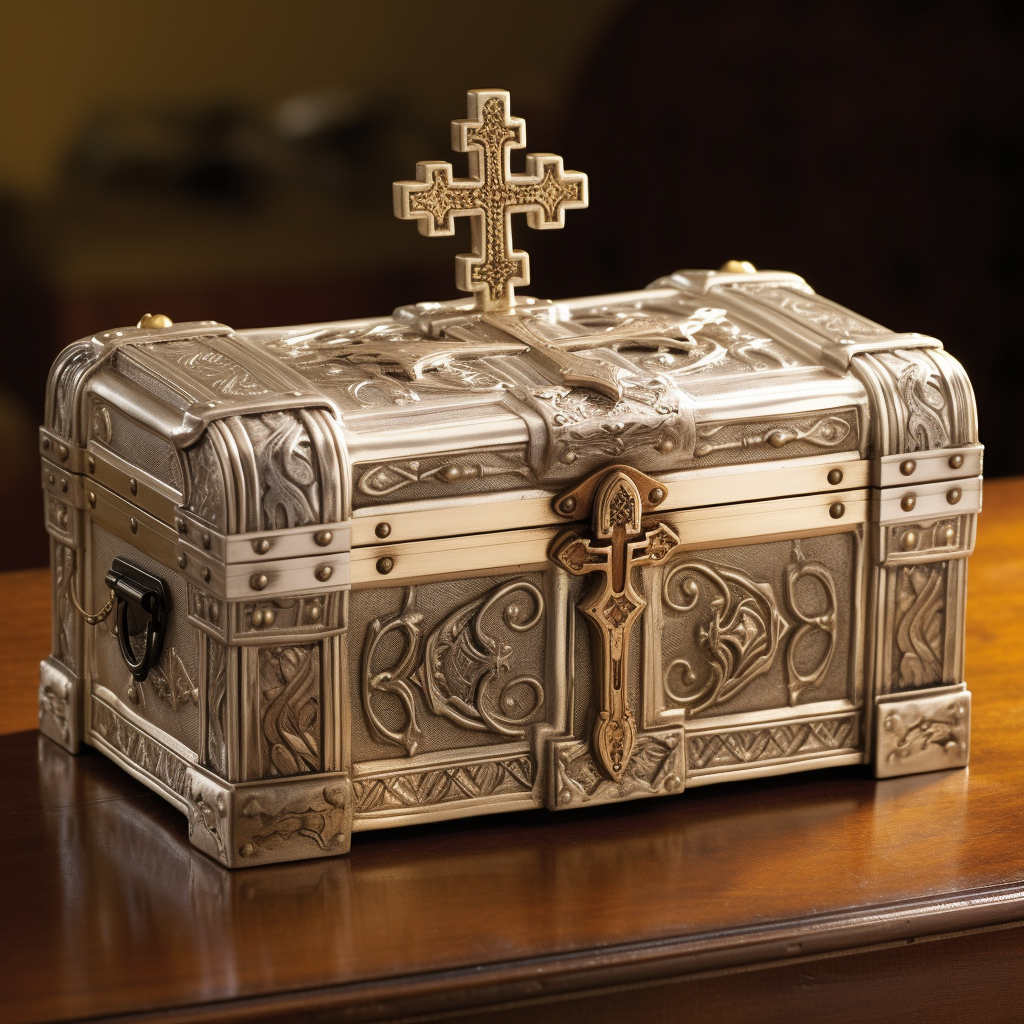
(141, 607)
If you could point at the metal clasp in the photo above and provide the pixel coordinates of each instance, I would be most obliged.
(619, 542)
(141, 608)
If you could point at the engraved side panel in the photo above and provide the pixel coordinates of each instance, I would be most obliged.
(754, 627)
(484, 471)
(446, 666)
(169, 696)
(111, 428)
(63, 562)
(208, 472)
(221, 672)
(919, 617)
(281, 711)
(781, 437)
(922, 734)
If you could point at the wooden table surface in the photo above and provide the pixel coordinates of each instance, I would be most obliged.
(820, 895)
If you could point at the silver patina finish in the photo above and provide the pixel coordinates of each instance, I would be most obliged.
(505, 552)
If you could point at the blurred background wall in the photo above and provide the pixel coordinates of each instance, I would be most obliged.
(232, 160)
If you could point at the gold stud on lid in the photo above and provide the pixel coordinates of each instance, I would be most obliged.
(154, 321)
(737, 267)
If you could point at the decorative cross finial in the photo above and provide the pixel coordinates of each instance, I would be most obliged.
(490, 195)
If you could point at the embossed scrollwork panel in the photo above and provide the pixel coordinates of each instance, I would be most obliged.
(918, 624)
(447, 665)
(755, 627)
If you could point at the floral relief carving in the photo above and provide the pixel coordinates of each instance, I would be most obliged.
(287, 470)
(741, 637)
(919, 389)
(214, 370)
(919, 625)
(207, 498)
(289, 683)
(460, 670)
(740, 626)
(170, 683)
(216, 699)
(64, 580)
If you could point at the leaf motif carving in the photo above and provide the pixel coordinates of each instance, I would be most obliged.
(461, 671)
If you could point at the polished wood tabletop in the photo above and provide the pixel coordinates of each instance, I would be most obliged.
(823, 894)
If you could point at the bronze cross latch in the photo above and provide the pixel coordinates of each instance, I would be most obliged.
(616, 498)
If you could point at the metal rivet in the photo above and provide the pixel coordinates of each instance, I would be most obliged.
(323, 573)
(52, 479)
(385, 565)
(837, 510)
(154, 321)
(46, 444)
(907, 466)
(258, 580)
(737, 267)
(909, 540)
(956, 461)
(92, 464)
(133, 525)
(206, 574)
(323, 538)
(568, 506)
(92, 499)
(835, 476)
(314, 613)
(954, 495)
(257, 619)
(268, 617)
(656, 495)
(63, 452)
(182, 561)
(261, 545)
(908, 502)
(383, 530)
(181, 525)
(206, 540)
(64, 486)
(949, 534)
(133, 485)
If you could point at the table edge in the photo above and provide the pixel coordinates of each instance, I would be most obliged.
(648, 962)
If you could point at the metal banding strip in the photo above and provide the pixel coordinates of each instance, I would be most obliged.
(923, 467)
(470, 514)
(914, 503)
(524, 550)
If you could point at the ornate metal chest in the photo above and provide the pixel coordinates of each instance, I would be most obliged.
(497, 554)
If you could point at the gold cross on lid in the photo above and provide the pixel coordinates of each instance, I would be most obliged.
(490, 195)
